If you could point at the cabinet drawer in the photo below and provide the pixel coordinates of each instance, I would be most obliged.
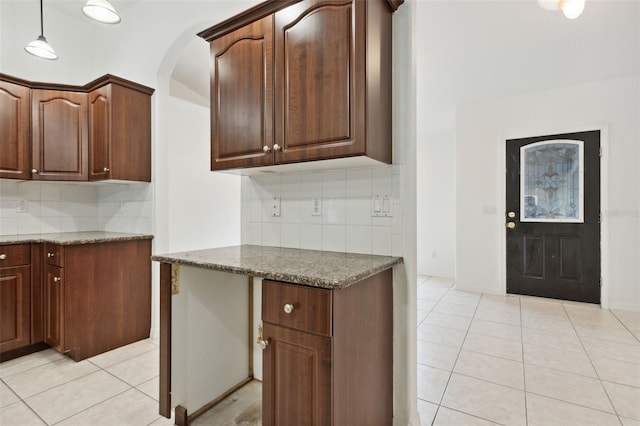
(310, 308)
(54, 255)
(15, 255)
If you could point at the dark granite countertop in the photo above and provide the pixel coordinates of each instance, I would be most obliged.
(72, 238)
(315, 268)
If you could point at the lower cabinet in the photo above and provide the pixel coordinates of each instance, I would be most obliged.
(54, 307)
(15, 297)
(97, 296)
(329, 353)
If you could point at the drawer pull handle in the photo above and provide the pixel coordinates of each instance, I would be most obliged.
(263, 344)
(56, 279)
(288, 308)
(3, 256)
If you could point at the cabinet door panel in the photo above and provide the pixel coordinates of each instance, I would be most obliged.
(60, 136)
(54, 305)
(242, 97)
(320, 102)
(99, 133)
(15, 307)
(15, 138)
(297, 378)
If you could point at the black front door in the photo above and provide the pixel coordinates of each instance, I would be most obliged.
(553, 216)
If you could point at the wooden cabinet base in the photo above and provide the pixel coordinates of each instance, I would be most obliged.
(26, 350)
(105, 300)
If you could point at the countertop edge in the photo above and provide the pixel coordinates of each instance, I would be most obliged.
(290, 278)
(76, 241)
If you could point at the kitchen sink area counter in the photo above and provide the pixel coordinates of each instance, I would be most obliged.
(325, 269)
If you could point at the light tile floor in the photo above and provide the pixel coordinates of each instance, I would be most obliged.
(116, 388)
(482, 360)
(517, 360)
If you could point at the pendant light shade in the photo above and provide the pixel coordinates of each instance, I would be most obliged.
(101, 11)
(40, 47)
(571, 9)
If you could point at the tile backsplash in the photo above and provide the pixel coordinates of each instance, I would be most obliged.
(70, 207)
(345, 224)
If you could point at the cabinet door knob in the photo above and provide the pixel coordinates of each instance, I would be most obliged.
(266, 148)
(263, 344)
(34, 171)
(3, 256)
(56, 279)
(50, 254)
(288, 308)
(106, 169)
(276, 147)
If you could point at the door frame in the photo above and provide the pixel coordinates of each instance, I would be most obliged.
(604, 199)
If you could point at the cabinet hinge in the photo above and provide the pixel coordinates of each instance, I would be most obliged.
(600, 282)
(600, 151)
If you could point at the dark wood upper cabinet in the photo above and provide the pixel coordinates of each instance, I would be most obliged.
(309, 80)
(59, 135)
(119, 133)
(242, 97)
(57, 132)
(15, 132)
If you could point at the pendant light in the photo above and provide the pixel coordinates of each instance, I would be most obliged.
(571, 9)
(101, 11)
(40, 47)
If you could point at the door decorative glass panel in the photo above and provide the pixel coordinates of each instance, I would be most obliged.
(552, 181)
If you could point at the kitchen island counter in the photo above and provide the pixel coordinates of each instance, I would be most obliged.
(325, 269)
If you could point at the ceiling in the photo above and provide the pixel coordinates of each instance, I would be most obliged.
(473, 50)
(468, 50)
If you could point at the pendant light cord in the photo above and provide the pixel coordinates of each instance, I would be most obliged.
(41, 21)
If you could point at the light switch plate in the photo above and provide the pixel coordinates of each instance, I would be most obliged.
(381, 205)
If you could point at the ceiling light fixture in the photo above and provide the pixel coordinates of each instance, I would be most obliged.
(101, 11)
(571, 9)
(40, 47)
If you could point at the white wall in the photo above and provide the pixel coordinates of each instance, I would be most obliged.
(204, 208)
(482, 129)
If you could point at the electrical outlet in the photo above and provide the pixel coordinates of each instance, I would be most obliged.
(316, 206)
(275, 207)
(23, 206)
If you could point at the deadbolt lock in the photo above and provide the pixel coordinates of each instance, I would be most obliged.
(511, 225)
(511, 215)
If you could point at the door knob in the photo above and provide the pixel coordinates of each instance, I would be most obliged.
(511, 225)
(288, 308)
(276, 147)
(106, 169)
(263, 344)
(266, 148)
(56, 279)
(511, 215)
(3, 256)
(50, 254)
(34, 171)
